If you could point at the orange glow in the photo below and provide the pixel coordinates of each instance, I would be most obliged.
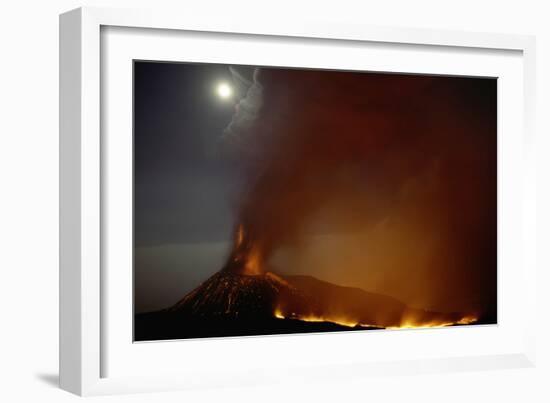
(416, 323)
(252, 265)
(278, 314)
(405, 324)
(467, 320)
(240, 236)
(315, 318)
(247, 254)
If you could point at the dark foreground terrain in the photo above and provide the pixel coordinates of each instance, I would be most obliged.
(170, 325)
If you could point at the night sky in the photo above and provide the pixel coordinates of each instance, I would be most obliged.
(380, 181)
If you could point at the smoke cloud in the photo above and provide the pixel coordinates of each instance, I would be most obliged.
(382, 181)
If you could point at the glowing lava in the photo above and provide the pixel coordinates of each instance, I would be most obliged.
(315, 318)
(405, 324)
(412, 322)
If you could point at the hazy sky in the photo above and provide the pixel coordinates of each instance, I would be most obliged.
(180, 186)
(384, 182)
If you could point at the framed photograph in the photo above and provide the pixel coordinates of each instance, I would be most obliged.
(243, 202)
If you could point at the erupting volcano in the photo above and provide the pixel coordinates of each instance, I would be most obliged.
(243, 299)
(277, 200)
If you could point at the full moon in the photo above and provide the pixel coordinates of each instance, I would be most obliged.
(224, 90)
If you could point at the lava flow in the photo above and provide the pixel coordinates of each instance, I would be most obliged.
(412, 324)
(407, 322)
(314, 318)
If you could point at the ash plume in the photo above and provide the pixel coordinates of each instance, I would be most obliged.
(404, 165)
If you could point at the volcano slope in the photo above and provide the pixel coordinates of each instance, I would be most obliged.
(231, 304)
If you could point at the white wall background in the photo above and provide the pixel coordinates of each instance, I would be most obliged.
(29, 197)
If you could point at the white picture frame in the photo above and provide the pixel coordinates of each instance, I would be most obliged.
(83, 295)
